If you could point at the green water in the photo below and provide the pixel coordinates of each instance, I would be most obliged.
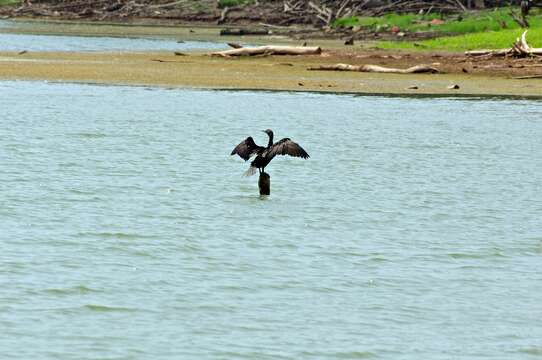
(127, 231)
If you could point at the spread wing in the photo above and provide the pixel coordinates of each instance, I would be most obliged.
(247, 148)
(288, 147)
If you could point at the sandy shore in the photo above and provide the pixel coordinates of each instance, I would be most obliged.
(270, 73)
(197, 70)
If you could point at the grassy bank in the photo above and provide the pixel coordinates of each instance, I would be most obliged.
(481, 40)
(469, 22)
(9, 2)
(489, 29)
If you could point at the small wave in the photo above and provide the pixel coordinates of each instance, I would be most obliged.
(80, 192)
(104, 308)
(532, 351)
(355, 355)
(234, 288)
(71, 290)
(327, 289)
(474, 256)
(249, 355)
(117, 235)
(142, 253)
(465, 256)
(68, 164)
(342, 354)
(89, 135)
(378, 259)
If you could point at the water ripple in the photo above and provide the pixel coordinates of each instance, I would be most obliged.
(104, 308)
(536, 351)
(116, 235)
(341, 354)
(415, 235)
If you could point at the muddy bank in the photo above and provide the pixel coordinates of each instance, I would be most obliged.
(490, 76)
(363, 52)
(267, 73)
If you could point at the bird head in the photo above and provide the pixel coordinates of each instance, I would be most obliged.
(268, 132)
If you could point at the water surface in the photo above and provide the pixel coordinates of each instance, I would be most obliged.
(33, 42)
(127, 231)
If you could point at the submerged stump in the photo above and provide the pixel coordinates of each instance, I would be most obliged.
(264, 183)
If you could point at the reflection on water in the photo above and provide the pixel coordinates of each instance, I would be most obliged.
(412, 232)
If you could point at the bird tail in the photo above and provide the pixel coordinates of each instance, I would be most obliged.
(251, 171)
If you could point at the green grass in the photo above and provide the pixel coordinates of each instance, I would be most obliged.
(9, 2)
(489, 20)
(482, 40)
(403, 21)
(490, 29)
(230, 3)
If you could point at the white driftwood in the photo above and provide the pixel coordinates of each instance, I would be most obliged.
(483, 52)
(375, 69)
(520, 48)
(223, 15)
(270, 50)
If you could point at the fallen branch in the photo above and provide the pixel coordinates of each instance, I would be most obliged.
(528, 77)
(460, 5)
(241, 32)
(343, 6)
(235, 45)
(270, 50)
(323, 13)
(375, 68)
(223, 15)
(275, 26)
(521, 20)
(520, 48)
(159, 6)
(171, 61)
(484, 52)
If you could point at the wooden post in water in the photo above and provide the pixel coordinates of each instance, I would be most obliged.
(264, 183)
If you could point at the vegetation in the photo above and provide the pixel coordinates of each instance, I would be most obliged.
(488, 20)
(230, 3)
(481, 40)
(9, 2)
(489, 29)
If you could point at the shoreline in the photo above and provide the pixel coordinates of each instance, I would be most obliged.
(284, 73)
(317, 92)
(281, 73)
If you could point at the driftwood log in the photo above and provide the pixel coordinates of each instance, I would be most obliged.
(375, 68)
(234, 45)
(270, 50)
(521, 19)
(241, 32)
(528, 77)
(519, 49)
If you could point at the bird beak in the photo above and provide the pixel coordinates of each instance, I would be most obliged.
(263, 131)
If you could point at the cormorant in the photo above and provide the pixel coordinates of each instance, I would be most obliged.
(264, 155)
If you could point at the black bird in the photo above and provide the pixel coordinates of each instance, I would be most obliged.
(264, 155)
